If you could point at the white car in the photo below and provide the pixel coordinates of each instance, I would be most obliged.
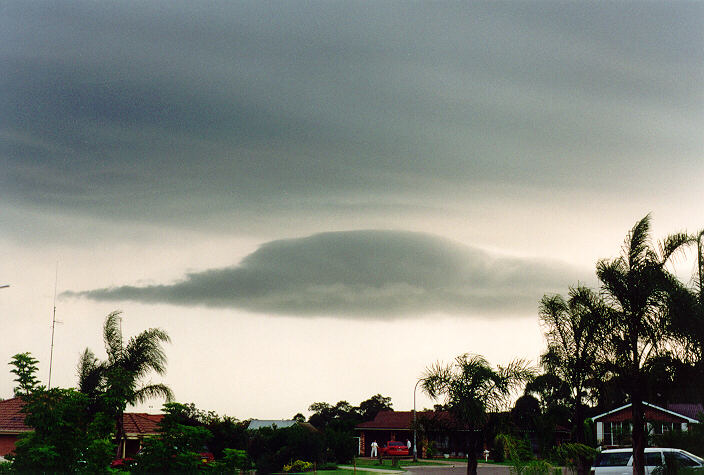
(620, 461)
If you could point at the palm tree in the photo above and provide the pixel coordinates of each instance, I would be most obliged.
(574, 330)
(636, 286)
(118, 380)
(688, 321)
(472, 389)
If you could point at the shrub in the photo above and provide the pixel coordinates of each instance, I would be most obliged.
(574, 456)
(234, 459)
(298, 466)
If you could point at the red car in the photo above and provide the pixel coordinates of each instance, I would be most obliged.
(394, 447)
(121, 463)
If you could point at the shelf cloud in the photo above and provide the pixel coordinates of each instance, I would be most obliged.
(367, 274)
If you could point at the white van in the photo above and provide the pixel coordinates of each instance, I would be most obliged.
(620, 461)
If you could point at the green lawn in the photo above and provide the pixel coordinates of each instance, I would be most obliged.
(387, 463)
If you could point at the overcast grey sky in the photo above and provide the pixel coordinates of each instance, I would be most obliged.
(291, 188)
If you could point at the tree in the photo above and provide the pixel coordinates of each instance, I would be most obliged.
(471, 389)
(25, 367)
(178, 448)
(637, 289)
(371, 407)
(66, 437)
(117, 381)
(575, 329)
(688, 323)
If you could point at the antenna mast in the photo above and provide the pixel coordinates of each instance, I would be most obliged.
(53, 325)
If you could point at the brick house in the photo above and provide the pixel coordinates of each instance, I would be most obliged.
(137, 427)
(438, 428)
(12, 425)
(613, 428)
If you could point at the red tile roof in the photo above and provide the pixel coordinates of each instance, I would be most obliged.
(12, 419)
(141, 423)
(402, 420)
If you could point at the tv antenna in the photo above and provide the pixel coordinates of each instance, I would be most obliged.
(53, 325)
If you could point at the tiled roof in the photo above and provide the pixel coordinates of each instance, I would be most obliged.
(686, 409)
(402, 420)
(11, 417)
(141, 423)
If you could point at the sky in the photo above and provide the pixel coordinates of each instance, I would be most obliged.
(318, 200)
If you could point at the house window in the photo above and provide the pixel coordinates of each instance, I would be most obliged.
(617, 433)
(660, 428)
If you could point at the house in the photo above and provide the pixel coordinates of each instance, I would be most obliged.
(12, 425)
(137, 427)
(613, 428)
(437, 429)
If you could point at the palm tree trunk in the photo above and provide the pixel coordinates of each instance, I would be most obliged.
(119, 434)
(472, 454)
(638, 439)
(638, 432)
(583, 465)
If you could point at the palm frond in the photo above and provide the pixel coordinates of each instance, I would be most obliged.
(673, 244)
(112, 335)
(145, 352)
(435, 379)
(637, 244)
(90, 372)
(154, 390)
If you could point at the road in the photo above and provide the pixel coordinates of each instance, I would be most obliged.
(459, 469)
(445, 469)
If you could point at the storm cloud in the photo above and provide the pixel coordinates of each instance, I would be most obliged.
(177, 112)
(373, 274)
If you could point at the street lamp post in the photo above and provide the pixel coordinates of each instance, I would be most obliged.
(415, 448)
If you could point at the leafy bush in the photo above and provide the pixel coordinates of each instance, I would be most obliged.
(534, 467)
(272, 448)
(571, 455)
(67, 437)
(235, 460)
(298, 466)
(512, 448)
(177, 449)
(342, 447)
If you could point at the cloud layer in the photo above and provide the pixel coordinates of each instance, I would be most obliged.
(375, 274)
(157, 112)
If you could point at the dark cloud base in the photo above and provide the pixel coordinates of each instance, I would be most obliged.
(363, 274)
